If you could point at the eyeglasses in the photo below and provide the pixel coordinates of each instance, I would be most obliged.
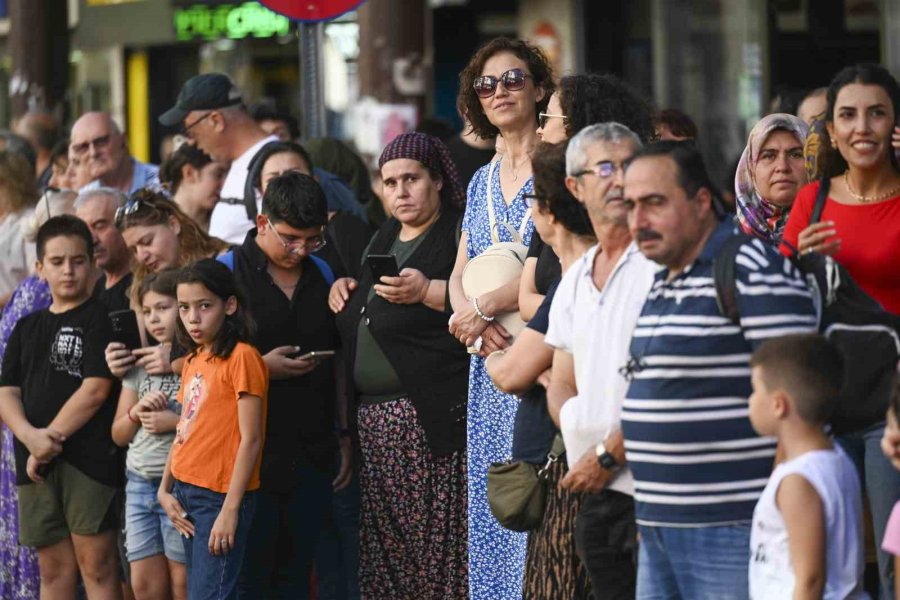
(512, 80)
(294, 245)
(531, 200)
(604, 170)
(184, 131)
(98, 143)
(542, 118)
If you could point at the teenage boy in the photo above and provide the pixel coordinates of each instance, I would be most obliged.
(806, 540)
(55, 397)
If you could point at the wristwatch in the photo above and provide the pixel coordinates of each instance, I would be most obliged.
(607, 460)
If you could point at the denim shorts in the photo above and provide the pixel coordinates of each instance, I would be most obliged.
(148, 531)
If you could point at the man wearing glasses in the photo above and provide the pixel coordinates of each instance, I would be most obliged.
(97, 139)
(211, 114)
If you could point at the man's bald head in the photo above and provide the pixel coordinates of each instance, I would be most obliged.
(96, 136)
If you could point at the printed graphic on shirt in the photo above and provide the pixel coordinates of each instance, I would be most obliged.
(168, 384)
(195, 396)
(66, 353)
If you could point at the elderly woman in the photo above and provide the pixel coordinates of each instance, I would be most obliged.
(502, 90)
(408, 376)
(769, 175)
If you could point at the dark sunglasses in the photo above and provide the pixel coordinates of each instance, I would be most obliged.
(99, 142)
(512, 80)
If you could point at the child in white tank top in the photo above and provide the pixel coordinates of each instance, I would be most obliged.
(807, 527)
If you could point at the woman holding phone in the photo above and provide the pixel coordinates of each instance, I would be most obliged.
(408, 376)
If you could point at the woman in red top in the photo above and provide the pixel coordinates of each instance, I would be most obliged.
(860, 225)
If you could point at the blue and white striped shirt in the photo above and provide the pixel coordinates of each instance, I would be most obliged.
(688, 440)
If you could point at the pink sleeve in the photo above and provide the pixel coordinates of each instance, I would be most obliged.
(891, 541)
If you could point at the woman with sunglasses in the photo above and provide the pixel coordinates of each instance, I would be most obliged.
(502, 90)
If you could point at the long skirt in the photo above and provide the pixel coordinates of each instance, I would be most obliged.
(20, 577)
(413, 522)
(552, 568)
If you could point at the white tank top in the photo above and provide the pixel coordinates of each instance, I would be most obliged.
(836, 481)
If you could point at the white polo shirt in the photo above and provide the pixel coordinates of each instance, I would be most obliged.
(229, 220)
(595, 326)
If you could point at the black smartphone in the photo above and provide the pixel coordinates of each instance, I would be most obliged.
(382, 265)
(317, 355)
(125, 328)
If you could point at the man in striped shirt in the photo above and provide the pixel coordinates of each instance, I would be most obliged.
(698, 466)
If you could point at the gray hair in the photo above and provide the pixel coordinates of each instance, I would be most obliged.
(119, 198)
(576, 152)
(51, 204)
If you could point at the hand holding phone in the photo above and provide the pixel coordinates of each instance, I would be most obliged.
(125, 328)
(317, 355)
(382, 265)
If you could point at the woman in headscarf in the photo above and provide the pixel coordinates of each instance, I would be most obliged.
(771, 171)
(409, 378)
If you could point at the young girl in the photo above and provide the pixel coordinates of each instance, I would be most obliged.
(145, 422)
(215, 458)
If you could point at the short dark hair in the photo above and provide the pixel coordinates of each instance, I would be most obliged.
(267, 110)
(219, 280)
(807, 367)
(171, 172)
(599, 98)
(549, 165)
(832, 162)
(63, 226)
(467, 102)
(692, 173)
(295, 199)
(255, 168)
(677, 122)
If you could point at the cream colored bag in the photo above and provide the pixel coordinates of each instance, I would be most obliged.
(500, 263)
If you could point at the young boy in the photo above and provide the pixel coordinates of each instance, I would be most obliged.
(55, 397)
(806, 540)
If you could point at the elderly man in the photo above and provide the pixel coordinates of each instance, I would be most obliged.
(698, 465)
(594, 312)
(211, 113)
(97, 207)
(96, 137)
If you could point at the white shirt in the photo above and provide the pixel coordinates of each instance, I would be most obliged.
(229, 222)
(595, 326)
(17, 256)
(836, 482)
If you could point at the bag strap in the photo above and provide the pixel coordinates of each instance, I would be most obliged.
(323, 267)
(724, 278)
(517, 236)
(227, 259)
(821, 197)
(557, 450)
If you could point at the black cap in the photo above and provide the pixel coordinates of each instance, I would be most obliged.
(202, 92)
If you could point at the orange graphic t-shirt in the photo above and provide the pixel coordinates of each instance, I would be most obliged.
(208, 435)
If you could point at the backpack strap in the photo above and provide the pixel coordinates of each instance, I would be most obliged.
(821, 197)
(724, 277)
(324, 269)
(227, 259)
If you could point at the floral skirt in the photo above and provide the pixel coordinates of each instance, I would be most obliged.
(413, 531)
(20, 578)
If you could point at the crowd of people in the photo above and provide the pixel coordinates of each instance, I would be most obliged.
(546, 358)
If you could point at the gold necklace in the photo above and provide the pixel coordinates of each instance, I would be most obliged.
(866, 199)
(515, 172)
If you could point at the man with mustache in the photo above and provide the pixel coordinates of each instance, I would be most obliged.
(594, 312)
(698, 465)
(97, 207)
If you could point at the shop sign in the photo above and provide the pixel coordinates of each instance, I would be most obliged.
(234, 21)
(312, 10)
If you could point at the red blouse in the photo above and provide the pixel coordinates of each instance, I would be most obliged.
(870, 241)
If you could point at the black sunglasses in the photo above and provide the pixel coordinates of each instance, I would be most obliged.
(513, 80)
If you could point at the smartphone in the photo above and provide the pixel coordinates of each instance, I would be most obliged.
(317, 355)
(382, 265)
(125, 328)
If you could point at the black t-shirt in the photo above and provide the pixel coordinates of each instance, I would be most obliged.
(116, 297)
(533, 431)
(547, 270)
(300, 424)
(48, 357)
(467, 158)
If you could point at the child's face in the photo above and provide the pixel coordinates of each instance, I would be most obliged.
(160, 315)
(202, 312)
(762, 405)
(66, 267)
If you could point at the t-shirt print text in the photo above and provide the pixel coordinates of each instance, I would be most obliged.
(67, 354)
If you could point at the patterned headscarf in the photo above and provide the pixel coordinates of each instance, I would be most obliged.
(756, 215)
(431, 152)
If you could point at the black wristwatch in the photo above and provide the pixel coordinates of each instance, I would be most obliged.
(607, 460)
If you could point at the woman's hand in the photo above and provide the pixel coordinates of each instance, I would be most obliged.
(176, 513)
(119, 359)
(466, 325)
(815, 238)
(155, 359)
(493, 338)
(158, 421)
(340, 293)
(221, 538)
(410, 287)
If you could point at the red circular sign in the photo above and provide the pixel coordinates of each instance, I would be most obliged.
(312, 10)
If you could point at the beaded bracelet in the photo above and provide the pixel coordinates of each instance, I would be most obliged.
(479, 313)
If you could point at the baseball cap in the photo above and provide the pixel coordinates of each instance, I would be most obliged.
(202, 92)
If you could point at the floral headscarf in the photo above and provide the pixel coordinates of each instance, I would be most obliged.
(431, 152)
(756, 215)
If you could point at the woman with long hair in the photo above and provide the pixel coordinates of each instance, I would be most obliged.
(195, 182)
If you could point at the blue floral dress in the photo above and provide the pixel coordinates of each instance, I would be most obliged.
(496, 555)
(20, 578)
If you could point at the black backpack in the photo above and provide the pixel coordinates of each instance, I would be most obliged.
(867, 336)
